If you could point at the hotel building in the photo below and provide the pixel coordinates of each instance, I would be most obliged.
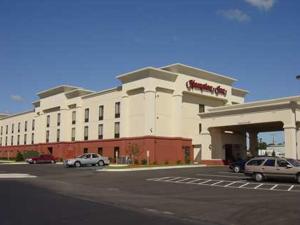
(173, 113)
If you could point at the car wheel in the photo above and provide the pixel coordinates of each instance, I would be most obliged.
(236, 169)
(77, 164)
(34, 161)
(101, 163)
(298, 178)
(258, 177)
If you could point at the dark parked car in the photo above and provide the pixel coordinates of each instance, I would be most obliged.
(238, 166)
(42, 159)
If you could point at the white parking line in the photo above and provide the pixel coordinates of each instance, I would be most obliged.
(15, 175)
(230, 184)
(205, 182)
(291, 187)
(217, 183)
(275, 186)
(173, 179)
(225, 176)
(258, 186)
(159, 179)
(243, 185)
(193, 181)
(179, 181)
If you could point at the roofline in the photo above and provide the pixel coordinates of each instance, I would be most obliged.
(277, 101)
(145, 69)
(241, 90)
(202, 70)
(17, 114)
(101, 92)
(56, 87)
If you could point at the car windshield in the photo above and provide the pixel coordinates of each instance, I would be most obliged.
(82, 156)
(294, 162)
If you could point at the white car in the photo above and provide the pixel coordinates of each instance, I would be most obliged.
(87, 159)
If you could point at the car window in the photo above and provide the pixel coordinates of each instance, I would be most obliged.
(294, 162)
(95, 156)
(270, 162)
(88, 156)
(255, 162)
(282, 163)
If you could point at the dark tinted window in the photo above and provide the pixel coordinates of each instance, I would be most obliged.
(270, 162)
(255, 162)
(95, 156)
(282, 163)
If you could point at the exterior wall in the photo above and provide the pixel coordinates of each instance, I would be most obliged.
(161, 149)
(153, 104)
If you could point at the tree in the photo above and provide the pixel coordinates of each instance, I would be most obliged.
(133, 151)
(262, 145)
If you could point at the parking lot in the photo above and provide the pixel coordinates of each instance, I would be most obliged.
(209, 195)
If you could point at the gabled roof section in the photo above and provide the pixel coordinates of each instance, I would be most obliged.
(200, 73)
(56, 90)
(147, 72)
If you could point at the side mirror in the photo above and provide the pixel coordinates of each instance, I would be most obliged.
(288, 166)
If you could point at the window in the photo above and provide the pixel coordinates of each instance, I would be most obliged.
(6, 130)
(25, 128)
(48, 121)
(201, 108)
(58, 135)
(12, 140)
(86, 115)
(85, 150)
(12, 128)
(86, 133)
(58, 119)
(117, 110)
(117, 129)
(100, 151)
(74, 117)
(6, 140)
(100, 131)
(18, 140)
(25, 139)
(19, 127)
(101, 112)
(0, 141)
(282, 163)
(270, 162)
(47, 136)
(73, 134)
(32, 138)
(1, 130)
(33, 125)
(255, 162)
(94, 156)
(200, 128)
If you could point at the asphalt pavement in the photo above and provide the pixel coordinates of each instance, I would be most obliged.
(211, 195)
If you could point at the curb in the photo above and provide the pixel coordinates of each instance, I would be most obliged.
(150, 168)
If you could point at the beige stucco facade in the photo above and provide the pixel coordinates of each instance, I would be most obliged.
(171, 101)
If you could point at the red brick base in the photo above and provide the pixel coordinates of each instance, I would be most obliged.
(161, 149)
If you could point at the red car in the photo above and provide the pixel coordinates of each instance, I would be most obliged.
(42, 159)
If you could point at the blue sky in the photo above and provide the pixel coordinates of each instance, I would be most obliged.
(89, 42)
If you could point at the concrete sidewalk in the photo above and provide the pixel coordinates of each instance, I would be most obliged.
(149, 168)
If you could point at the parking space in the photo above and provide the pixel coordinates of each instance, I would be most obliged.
(239, 184)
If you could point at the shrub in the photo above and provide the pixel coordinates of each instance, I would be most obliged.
(19, 157)
(178, 162)
(188, 161)
(30, 154)
(144, 161)
(166, 162)
(136, 162)
(154, 163)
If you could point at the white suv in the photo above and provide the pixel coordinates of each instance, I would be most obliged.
(87, 159)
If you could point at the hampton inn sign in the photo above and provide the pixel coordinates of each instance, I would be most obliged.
(192, 84)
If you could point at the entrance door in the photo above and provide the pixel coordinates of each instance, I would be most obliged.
(50, 150)
(187, 155)
(228, 153)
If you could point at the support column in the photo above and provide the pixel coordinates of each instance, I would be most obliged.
(298, 143)
(253, 143)
(125, 116)
(217, 144)
(177, 115)
(290, 142)
(150, 112)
